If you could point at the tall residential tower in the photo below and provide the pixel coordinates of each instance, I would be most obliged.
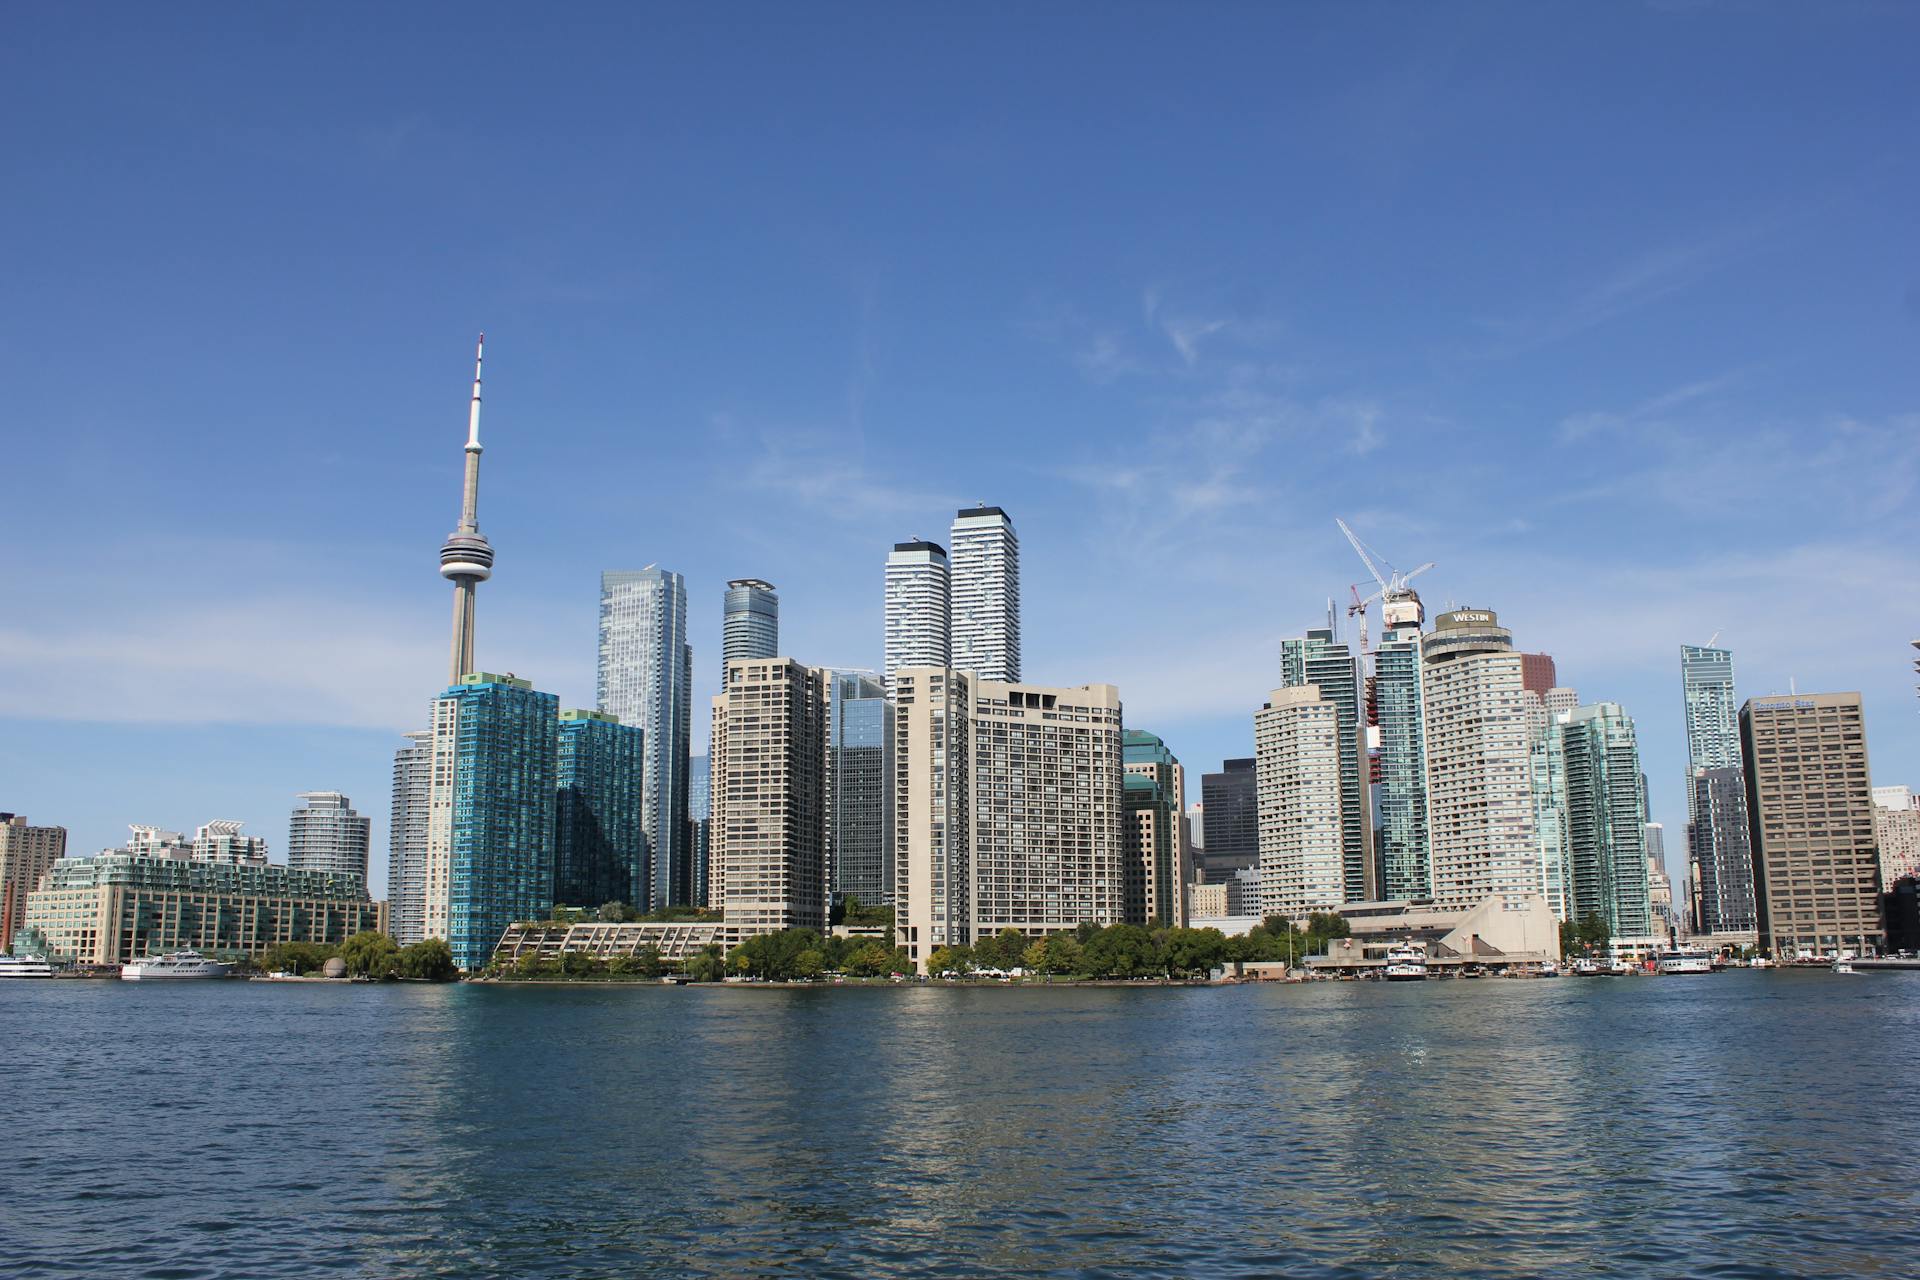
(645, 678)
(751, 628)
(986, 594)
(919, 611)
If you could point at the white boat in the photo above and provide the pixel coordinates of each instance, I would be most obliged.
(1684, 960)
(24, 967)
(1618, 968)
(1586, 968)
(1407, 963)
(1844, 966)
(177, 964)
(1760, 962)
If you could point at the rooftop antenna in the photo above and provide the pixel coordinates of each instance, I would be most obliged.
(1712, 638)
(1793, 686)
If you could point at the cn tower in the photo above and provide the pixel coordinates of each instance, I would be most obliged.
(465, 557)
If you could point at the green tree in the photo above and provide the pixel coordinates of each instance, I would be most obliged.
(1001, 951)
(808, 964)
(369, 954)
(614, 913)
(1188, 951)
(775, 957)
(708, 965)
(869, 961)
(1066, 956)
(295, 957)
(1121, 951)
(1593, 934)
(944, 960)
(430, 960)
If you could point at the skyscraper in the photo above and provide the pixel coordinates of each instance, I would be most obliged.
(490, 826)
(1229, 800)
(327, 835)
(1810, 812)
(1480, 812)
(646, 679)
(1896, 829)
(768, 831)
(1547, 769)
(1007, 808)
(1606, 829)
(1719, 842)
(1537, 673)
(466, 558)
(918, 607)
(407, 839)
(1713, 732)
(1400, 787)
(986, 594)
(26, 854)
(1297, 741)
(1157, 867)
(599, 840)
(860, 784)
(1318, 659)
(751, 628)
(699, 810)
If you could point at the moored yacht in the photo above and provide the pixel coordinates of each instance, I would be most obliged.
(24, 967)
(1586, 967)
(177, 964)
(1407, 963)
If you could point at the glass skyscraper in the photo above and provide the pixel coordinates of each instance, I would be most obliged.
(1400, 792)
(646, 679)
(407, 839)
(491, 825)
(1318, 659)
(327, 835)
(1719, 846)
(699, 809)
(1713, 717)
(1606, 827)
(1156, 867)
(860, 777)
(599, 843)
(1230, 816)
(751, 627)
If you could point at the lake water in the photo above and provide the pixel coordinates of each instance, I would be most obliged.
(1735, 1125)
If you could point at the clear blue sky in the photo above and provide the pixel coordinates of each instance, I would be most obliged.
(1611, 311)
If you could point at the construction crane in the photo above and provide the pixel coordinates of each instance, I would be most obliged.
(1392, 583)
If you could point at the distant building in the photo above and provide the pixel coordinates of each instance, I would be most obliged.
(1606, 854)
(1810, 811)
(1400, 785)
(490, 826)
(918, 607)
(1480, 807)
(1157, 867)
(1205, 899)
(1713, 731)
(699, 809)
(26, 854)
(600, 839)
(407, 838)
(1896, 828)
(1537, 673)
(1319, 660)
(117, 907)
(1720, 852)
(221, 841)
(985, 594)
(1007, 808)
(1547, 769)
(860, 782)
(1297, 739)
(645, 677)
(768, 829)
(327, 835)
(1232, 808)
(751, 627)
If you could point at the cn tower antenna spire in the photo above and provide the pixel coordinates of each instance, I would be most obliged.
(473, 415)
(466, 558)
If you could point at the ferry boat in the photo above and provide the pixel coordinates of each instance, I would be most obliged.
(1618, 968)
(24, 967)
(1684, 960)
(1407, 963)
(177, 964)
(1586, 968)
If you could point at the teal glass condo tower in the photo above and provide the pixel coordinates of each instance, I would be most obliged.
(1400, 791)
(1318, 659)
(599, 840)
(490, 837)
(1605, 824)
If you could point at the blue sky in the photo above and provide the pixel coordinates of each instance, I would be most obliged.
(1613, 312)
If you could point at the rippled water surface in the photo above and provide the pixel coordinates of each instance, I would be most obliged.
(1736, 1125)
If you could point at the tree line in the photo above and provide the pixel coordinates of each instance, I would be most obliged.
(1137, 951)
(367, 955)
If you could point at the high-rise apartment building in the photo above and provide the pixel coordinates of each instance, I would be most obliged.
(751, 628)
(1400, 783)
(1713, 729)
(26, 854)
(407, 838)
(1158, 864)
(1720, 852)
(768, 832)
(221, 841)
(918, 607)
(699, 808)
(1547, 768)
(490, 812)
(646, 679)
(1320, 660)
(1606, 837)
(1007, 808)
(860, 781)
(985, 594)
(1480, 813)
(1537, 673)
(1230, 802)
(599, 837)
(1896, 828)
(1810, 812)
(327, 835)
(1297, 745)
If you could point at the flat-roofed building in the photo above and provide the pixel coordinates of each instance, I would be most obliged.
(1157, 864)
(26, 854)
(1297, 740)
(1896, 827)
(767, 833)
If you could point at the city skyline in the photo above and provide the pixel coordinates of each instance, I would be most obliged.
(1665, 401)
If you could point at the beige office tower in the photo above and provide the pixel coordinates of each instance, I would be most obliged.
(1296, 752)
(767, 825)
(1896, 829)
(1007, 808)
(1159, 861)
(1480, 804)
(26, 854)
(1810, 811)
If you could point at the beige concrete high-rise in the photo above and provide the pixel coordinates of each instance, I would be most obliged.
(1296, 751)
(1007, 808)
(26, 854)
(1896, 829)
(767, 829)
(466, 558)
(1480, 804)
(1810, 813)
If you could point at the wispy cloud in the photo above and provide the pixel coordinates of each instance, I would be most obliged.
(1579, 426)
